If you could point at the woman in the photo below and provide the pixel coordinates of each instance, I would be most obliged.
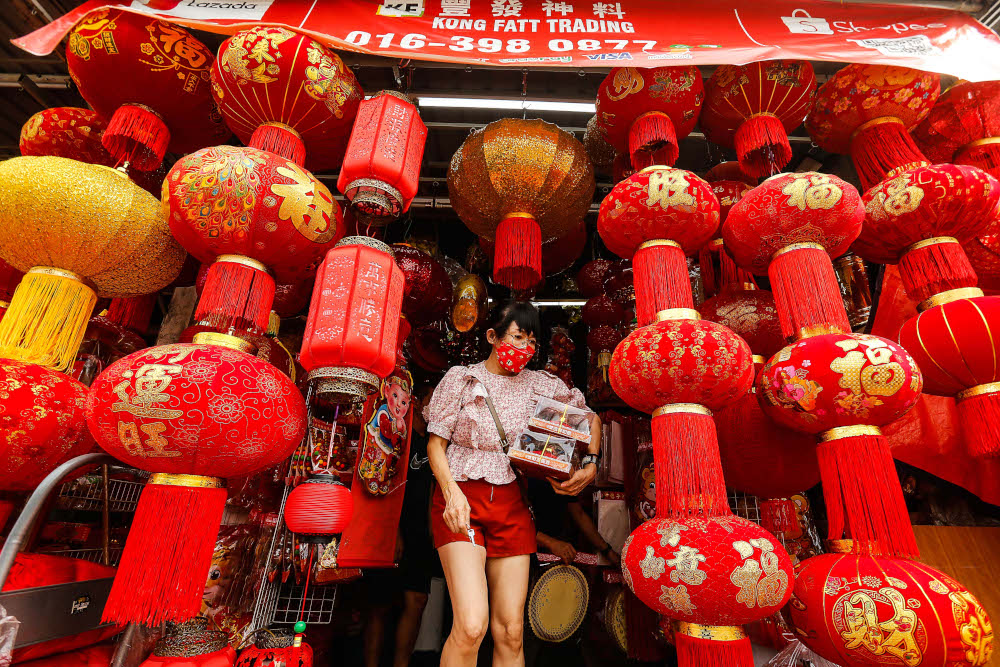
(482, 526)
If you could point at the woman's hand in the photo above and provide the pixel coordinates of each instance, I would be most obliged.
(456, 510)
(564, 550)
(577, 483)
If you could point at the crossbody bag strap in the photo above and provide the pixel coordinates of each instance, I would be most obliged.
(496, 420)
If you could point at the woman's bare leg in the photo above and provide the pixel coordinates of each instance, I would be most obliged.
(508, 586)
(465, 571)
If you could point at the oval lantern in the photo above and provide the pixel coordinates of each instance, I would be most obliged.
(321, 506)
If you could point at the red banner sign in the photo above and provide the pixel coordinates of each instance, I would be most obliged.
(577, 33)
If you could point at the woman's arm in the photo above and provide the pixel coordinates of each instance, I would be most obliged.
(457, 510)
(560, 548)
(585, 475)
(589, 531)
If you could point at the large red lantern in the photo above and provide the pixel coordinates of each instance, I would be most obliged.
(285, 93)
(427, 295)
(752, 108)
(66, 132)
(381, 169)
(192, 414)
(964, 127)
(320, 506)
(887, 612)
(749, 313)
(646, 112)
(350, 340)
(158, 96)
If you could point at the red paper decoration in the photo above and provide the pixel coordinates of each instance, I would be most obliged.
(319, 506)
(427, 291)
(964, 127)
(752, 108)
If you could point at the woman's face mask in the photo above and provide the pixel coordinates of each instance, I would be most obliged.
(514, 352)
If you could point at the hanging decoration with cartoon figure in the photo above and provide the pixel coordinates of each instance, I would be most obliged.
(386, 434)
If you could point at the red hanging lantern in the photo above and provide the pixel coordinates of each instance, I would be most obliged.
(290, 299)
(621, 168)
(964, 127)
(602, 310)
(320, 506)
(276, 647)
(717, 267)
(521, 182)
(984, 256)
(381, 170)
(192, 414)
(867, 111)
(646, 112)
(590, 277)
(601, 341)
(560, 253)
(427, 292)
(729, 171)
(887, 612)
(159, 95)
(752, 108)
(66, 132)
(350, 340)
(284, 93)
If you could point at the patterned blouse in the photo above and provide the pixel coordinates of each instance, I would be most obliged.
(458, 413)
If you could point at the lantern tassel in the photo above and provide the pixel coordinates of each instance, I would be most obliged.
(661, 280)
(690, 482)
(762, 145)
(934, 266)
(881, 146)
(733, 275)
(279, 139)
(863, 498)
(709, 280)
(238, 295)
(777, 515)
(984, 154)
(652, 140)
(979, 414)
(517, 259)
(806, 292)
(161, 576)
(697, 647)
(132, 313)
(47, 318)
(136, 134)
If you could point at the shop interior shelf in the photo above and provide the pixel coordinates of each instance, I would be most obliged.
(123, 495)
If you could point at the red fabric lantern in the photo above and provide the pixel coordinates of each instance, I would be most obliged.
(319, 506)
(560, 253)
(66, 132)
(158, 96)
(984, 256)
(351, 333)
(729, 171)
(887, 612)
(283, 92)
(191, 414)
(42, 423)
(717, 268)
(427, 292)
(602, 310)
(867, 111)
(601, 341)
(590, 277)
(789, 227)
(290, 299)
(281, 649)
(381, 170)
(964, 127)
(646, 112)
(749, 313)
(752, 108)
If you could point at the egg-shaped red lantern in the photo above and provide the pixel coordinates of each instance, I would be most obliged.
(66, 132)
(602, 310)
(290, 299)
(964, 127)
(750, 314)
(601, 341)
(789, 227)
(284, 92)
(159, 96)
(320, 506)
(381, 169)
(646, 112)
(427, 295)
(752, 108)
(191, 414)
(590, 277)
(729, 171)
(867, 111)
(887, 612)
(350, 340)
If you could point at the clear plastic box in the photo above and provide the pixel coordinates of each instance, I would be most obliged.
(561, 419)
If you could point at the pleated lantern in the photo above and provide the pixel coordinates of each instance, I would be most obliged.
(964, 127)
(646, 112)
(351, 334)
(319, 507)
(867, 111)
(521, 182)
(752, 108)
(656, 218)
(79, 231)
(381, 169)
(285, 93)
(150, 80)
(192, 414)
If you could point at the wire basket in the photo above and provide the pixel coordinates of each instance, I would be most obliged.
(92, 555)
(744, 505)
(123, 495)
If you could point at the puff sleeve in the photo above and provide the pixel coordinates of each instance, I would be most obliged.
(441, 413)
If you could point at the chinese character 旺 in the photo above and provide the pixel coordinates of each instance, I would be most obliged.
(562, 8)
(455, 7)
(602, 9)
(506, 7)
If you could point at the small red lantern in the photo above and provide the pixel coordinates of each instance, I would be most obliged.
(718, 270)
(427, 295)
(729, 171)
(560, 253)
(382, 166)
(590, 277)
(887, 612)
(290, 299)
(602, 310)
(646, 112)
(276, 647)
(964, 127)
(66, 132)
(159, 95)
(320, 506)
(752, 108)
(350, 340)
(601, 341)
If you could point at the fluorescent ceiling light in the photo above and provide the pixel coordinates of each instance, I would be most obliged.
(518, 105)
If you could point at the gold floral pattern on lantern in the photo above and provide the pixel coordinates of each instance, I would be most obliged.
(974, 626)
(652, 566)
(677, 599)
(250, 56)
(307, 203)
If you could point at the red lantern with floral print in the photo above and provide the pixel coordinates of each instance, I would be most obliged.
(750, 314)
(717, 268)
(66, 132)
(752, 108)
(192, 414)
(964, 127)
(159, 94)
(887, 612)
(646, 112)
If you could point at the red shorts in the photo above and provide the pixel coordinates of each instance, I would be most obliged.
(499, 515)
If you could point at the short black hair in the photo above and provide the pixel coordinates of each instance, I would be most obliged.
(521, 313)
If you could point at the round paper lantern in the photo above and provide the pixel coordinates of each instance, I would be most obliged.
(79, 231)
(789, 227)
(285, 93)
(646, 112)
(752, 108)
(320, 506)
(590, 277)
(602, 311)
(601, 153)
(427, 291)
(729, 171)
(66, 132)
(867, 111)
(521, 182)
(858, 610)
(158, 96)
(964, 127)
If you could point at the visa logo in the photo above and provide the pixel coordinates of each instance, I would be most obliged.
(609, 56)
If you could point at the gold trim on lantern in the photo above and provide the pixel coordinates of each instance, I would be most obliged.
(677, 314)
(653, 167)
(817, 330)
(934, 240)
(368, 242)
(716, 243)
(840, 432)
(798, 246)
(716, 633)
(224, 340)
(192, 481)
(283, 126)
(896, 171)
(948, 296)
(985, 141)
(844, 546)
(760, 113)
(244, 260)
(759, 359)
(978, 390)
(145, 108)
(682, 408)
(519, 214)
(658, 242)
(61, 273)
(873, 122)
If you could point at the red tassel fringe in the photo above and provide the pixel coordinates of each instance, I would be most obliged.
(138, 136)
(698, 652)
(709, 270)
(984, 156)
(880, 148)
(806, 292)
(980, 419)
(689, 478)
(863, 498)
(279, 140)
(161, 576)
(133, 313)
(661, 281)
(777, 515)
(931, 269)
(235, 296)
(652, 140)
(733, 275)
(517, 259)
(762, 145)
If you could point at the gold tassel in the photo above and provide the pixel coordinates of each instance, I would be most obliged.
(47, 318)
